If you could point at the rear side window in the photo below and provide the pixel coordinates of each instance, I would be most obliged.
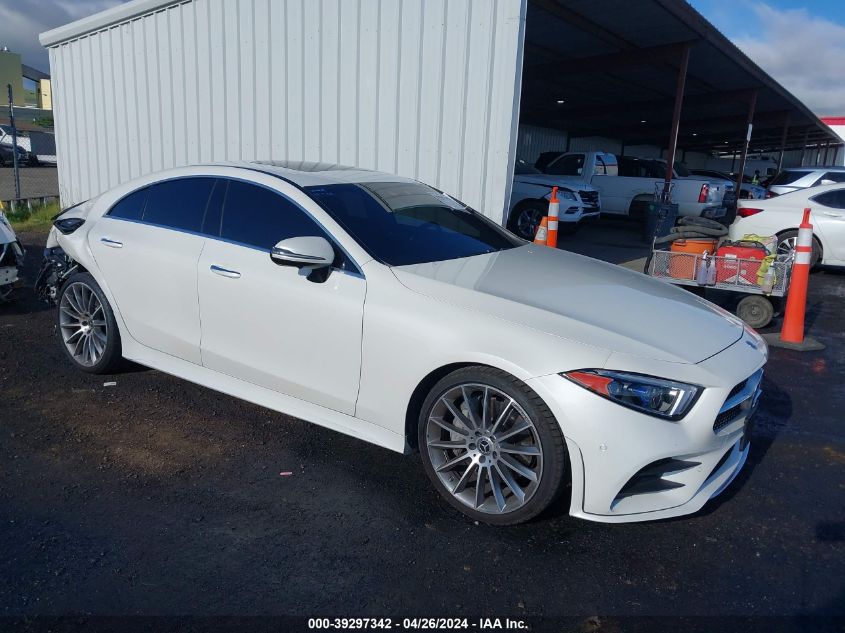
(832, 199)
(178, 204)
(130, 207)
(788, 177)
(259, 217)
(835, 176)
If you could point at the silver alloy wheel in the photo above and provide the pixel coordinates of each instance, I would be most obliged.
(527, 222)
(484, 448)
(83, 324)
(787, 246)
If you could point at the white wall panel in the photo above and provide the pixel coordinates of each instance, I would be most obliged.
(423, 88)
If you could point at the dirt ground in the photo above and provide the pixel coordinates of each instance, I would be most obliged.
(158, 497)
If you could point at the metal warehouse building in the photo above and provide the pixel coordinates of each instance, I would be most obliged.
(446, 91)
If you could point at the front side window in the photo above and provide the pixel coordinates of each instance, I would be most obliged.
(256, 216)
(402, 223)
(178, 204)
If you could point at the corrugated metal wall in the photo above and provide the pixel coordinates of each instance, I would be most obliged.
(427, 89)
(534, 140)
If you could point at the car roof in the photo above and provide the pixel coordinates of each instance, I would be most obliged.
(811, 168)
(310, 174)
(808, 192)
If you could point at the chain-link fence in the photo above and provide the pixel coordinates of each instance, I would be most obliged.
(27, 159)
(35, 182)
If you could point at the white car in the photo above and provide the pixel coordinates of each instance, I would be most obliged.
(381, 308)
(530, 194)
(781, 216)
(11, 258)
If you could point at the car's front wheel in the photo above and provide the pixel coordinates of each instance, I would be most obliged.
(491, 446)
(526, 218)
(87, 328)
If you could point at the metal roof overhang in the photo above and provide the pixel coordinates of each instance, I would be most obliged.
(614, 64)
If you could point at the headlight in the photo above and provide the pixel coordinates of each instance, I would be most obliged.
(656, 396)
(566, 195)
(68, 225)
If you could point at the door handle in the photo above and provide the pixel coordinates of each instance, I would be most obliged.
(225, 272)
(111, 243)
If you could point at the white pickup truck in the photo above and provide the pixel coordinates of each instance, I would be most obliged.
(627, 184)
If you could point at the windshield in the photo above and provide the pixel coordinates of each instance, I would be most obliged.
(401, 223)
(788, 176)
(522, 167)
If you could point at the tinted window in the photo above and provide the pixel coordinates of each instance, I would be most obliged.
(835, 176)
(567, 165)
(522, 167)
(788, 177)
(259, 217)
(402, 223)
(832, 199)
(178, 204)
(131, 207)
(214, 210)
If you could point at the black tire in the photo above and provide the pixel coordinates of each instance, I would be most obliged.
(525, 215)
(755, 310)
(792, 234)
(638, 211)
(551, 464)
(110, 358)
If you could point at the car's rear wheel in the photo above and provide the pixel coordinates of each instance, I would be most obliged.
(789, 239)
(491, 446)
(87, 328)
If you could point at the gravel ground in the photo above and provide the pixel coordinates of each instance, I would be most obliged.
(159, 497)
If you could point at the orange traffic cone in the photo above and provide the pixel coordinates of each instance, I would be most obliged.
(554, 211)
(792, 332)
(542, 232)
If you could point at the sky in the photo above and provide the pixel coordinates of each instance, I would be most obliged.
(799, 43)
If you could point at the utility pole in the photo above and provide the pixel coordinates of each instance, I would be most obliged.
(14, 144)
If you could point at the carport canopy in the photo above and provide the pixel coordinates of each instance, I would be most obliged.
(611, 69)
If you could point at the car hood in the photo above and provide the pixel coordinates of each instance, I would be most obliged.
(554, 181)
(580, 299)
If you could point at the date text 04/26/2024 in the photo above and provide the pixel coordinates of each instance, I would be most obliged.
(414, 624)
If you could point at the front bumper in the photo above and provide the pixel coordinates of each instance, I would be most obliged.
(629, 466)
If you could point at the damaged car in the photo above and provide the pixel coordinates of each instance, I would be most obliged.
(11, 259)
(382, 308)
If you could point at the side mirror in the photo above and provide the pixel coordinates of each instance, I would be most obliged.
(313, 252)
(827, 181)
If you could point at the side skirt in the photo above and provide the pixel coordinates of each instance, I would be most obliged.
(346, 424)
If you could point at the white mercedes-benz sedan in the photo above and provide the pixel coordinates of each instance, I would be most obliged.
(387, 310)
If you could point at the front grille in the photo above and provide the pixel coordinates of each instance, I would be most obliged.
(589, 198)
